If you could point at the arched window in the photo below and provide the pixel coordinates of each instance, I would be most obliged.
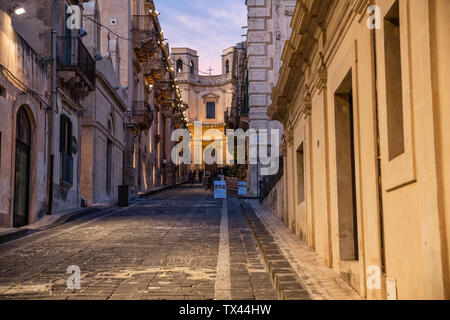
(191, 67)
(227, 66)
(179, 66)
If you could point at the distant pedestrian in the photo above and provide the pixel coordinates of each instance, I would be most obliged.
(200, 176)
(191, 178)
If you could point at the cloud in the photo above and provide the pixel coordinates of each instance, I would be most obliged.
(208, 26)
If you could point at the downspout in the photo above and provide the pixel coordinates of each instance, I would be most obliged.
(50, 163)
(379, 167)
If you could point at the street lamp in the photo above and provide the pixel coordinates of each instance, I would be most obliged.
(18, 9)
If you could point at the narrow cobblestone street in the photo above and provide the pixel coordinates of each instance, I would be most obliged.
(162, 247)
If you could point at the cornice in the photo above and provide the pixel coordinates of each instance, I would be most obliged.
(309, 21)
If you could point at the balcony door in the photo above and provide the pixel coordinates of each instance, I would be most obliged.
(67, 53)
(22, 170)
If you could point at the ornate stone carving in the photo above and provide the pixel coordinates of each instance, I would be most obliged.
(290, 137)
(307, 108)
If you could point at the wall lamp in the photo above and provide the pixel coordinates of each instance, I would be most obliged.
(18, 9)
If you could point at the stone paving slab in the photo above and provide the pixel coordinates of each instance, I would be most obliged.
(320, 282)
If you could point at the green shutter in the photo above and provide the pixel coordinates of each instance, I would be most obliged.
(62, 133)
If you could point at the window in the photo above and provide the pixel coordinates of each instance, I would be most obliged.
(346, 175)
(394, 87)
(111, 127)
(192, 67)
(227, 66)
(65, 144)
(179, 66)
(300, 175)
(210, 110)
(2, 92)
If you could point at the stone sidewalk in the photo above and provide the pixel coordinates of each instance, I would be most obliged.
(320, 282)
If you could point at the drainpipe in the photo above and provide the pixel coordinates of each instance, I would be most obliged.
(379, 182)
(50, 163)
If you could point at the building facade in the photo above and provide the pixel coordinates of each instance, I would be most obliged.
(268, 30)
(24, 101)
(91, 101)
(103, 121)
(208, 98)
(363, 98)
(71, 78)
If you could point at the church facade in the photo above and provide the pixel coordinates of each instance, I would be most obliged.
(208, 97)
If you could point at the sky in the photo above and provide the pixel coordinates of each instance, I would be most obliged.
(208, 26)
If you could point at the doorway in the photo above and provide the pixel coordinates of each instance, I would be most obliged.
(346, 175)
(22, 170)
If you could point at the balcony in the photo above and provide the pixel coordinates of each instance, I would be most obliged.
(142, 115)
(142, 23)
(144, 42)
(76, 67)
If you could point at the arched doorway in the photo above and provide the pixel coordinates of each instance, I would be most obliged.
(22, 169)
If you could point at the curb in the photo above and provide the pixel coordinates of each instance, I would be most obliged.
(160, 189)
(284, 277)
(25, 231)
(16, 234)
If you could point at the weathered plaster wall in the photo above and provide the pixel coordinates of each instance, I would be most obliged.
(25, 65)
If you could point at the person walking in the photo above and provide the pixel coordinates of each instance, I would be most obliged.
(191, 178)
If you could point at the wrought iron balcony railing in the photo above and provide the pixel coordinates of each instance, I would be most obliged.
(72, 54)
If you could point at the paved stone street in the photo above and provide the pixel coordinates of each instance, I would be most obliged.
(178, 244)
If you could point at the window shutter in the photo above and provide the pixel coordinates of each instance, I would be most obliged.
(69, 138)
(62, 133)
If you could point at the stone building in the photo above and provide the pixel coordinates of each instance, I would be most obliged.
(236, 116)
(72, 78)
(268, 29)
(24, 100)
(158, 90)
(82, 82)
(363, 97)
(103, 121)
(208, 98)
(154, 105)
